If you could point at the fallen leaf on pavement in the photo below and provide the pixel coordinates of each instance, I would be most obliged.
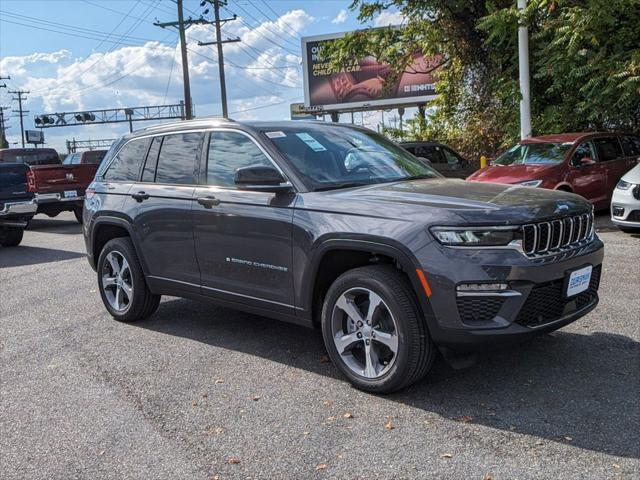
(465, 419)
(194, 403)
(255, 398)
(331, 418)
(327, 403)
(234, 461)
(389, 424)
(321, 466)
(348, 415)
(487, 477)
(446, 455)
(219, 381)
(615, 465)
(568, 439)
(306, 433)
(324, 359)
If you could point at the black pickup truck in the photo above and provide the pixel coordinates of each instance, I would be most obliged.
(17, 205)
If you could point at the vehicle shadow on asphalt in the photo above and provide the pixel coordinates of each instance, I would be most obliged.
(577, 389)
(54, 225)
(23, 255)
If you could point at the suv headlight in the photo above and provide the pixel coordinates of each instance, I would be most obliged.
(476, 237)
(622, 185)
(530, 183)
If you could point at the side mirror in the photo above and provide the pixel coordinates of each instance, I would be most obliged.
(261, 178)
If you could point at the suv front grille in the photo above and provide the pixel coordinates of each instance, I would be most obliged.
(547, 303)
(556, 235)
(634, 216)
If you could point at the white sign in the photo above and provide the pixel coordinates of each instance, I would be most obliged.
(34, 136)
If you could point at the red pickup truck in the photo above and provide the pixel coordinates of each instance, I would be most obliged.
(58, 186)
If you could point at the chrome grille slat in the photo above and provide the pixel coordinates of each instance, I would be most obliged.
(561, 234)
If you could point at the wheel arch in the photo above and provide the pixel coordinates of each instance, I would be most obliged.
(107, 228)
(328, 262)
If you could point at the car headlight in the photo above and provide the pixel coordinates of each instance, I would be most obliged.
(475, 237)
(531, 183)
(622, 185)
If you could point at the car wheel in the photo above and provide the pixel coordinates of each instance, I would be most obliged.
(121, 281)
(78, 213)
(11, 237)
(374, 331)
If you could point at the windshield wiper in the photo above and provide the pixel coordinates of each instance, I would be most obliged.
(335, 186)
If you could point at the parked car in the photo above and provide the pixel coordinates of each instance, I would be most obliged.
(17, 205)
(334, 226)
(441, 157)
(625, 204)
(58, 187)
(93, 157)
(589, 164)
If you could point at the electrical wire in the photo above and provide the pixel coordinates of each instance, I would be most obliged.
(173, 62)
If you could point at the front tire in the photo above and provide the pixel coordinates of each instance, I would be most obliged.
(121, 281)
(374, 331)
(11, 236)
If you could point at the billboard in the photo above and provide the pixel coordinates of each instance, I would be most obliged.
(364, 82)
(34, 136)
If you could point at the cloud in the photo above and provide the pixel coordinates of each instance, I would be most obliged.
(341, 17)
(263, 69)
(388, 18)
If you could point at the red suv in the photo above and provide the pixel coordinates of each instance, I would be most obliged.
(589, 164)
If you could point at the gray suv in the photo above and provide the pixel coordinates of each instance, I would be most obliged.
(335, 227)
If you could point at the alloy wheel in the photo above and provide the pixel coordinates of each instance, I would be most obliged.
(117, 282)
(364, 332)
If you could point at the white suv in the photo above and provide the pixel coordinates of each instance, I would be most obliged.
(625, 204)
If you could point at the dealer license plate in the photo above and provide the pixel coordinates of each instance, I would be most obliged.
(579, 281)
(70, 194)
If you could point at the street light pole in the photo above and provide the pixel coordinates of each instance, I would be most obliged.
(523, 64)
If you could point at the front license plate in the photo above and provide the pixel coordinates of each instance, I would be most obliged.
(70, 194)
(579, 281)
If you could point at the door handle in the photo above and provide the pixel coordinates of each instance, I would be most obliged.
(208, 202)
(140, 196)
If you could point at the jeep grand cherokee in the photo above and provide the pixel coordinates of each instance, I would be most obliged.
(334, 226)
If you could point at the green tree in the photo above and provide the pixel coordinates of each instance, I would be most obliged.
(585, 65)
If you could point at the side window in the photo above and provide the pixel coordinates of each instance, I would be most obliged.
(608, 149)
(229, 151)
(430, 153)
(452, 158)
(76, 159)
(68, 159)
(584, 150)
(149, 172)
(178, 158)
(126, 165)
(630, 146)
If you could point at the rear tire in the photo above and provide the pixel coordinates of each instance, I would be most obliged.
(11, 236)
(121, 281)
(396, 322)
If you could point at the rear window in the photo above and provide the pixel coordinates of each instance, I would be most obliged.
(30, 158)
(630, 146)
(125, 167)
(93, 156)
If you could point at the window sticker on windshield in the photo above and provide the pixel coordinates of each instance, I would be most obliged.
(313, 144)
(275, 134)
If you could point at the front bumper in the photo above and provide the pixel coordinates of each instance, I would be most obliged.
(625, 208)
(534, 302)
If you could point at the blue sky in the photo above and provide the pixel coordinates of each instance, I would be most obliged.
(90, 54)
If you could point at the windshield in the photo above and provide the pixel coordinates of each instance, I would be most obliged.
(533, 153)
(331, 156)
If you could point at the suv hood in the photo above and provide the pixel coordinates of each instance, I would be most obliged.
(448, 200)
(511, 173)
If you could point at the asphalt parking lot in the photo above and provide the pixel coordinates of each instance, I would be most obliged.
(198, 391)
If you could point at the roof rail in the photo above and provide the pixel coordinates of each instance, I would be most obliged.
(193, 122)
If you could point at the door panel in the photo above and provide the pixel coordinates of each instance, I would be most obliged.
(590, 181)
(163, 223)
(242, 238)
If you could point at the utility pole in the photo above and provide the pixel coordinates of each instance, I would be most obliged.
(182, 25)
(218, 23)
(523, 64)
(3, 128)
(20, 111)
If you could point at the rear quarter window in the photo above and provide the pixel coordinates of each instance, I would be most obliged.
(125, 167)
(178, 158)
(608, 148)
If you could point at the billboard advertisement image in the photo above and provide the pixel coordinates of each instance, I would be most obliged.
(364, 82)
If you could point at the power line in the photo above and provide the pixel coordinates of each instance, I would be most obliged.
(275, 31)
(295, 36)
(173, 62)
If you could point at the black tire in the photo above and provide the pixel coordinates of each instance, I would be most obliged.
(11, 236)
(629, 229)
(143, 303)
(78, 213)
(416, 351)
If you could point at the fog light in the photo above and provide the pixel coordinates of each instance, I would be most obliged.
(618, 212)
(480, 287)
